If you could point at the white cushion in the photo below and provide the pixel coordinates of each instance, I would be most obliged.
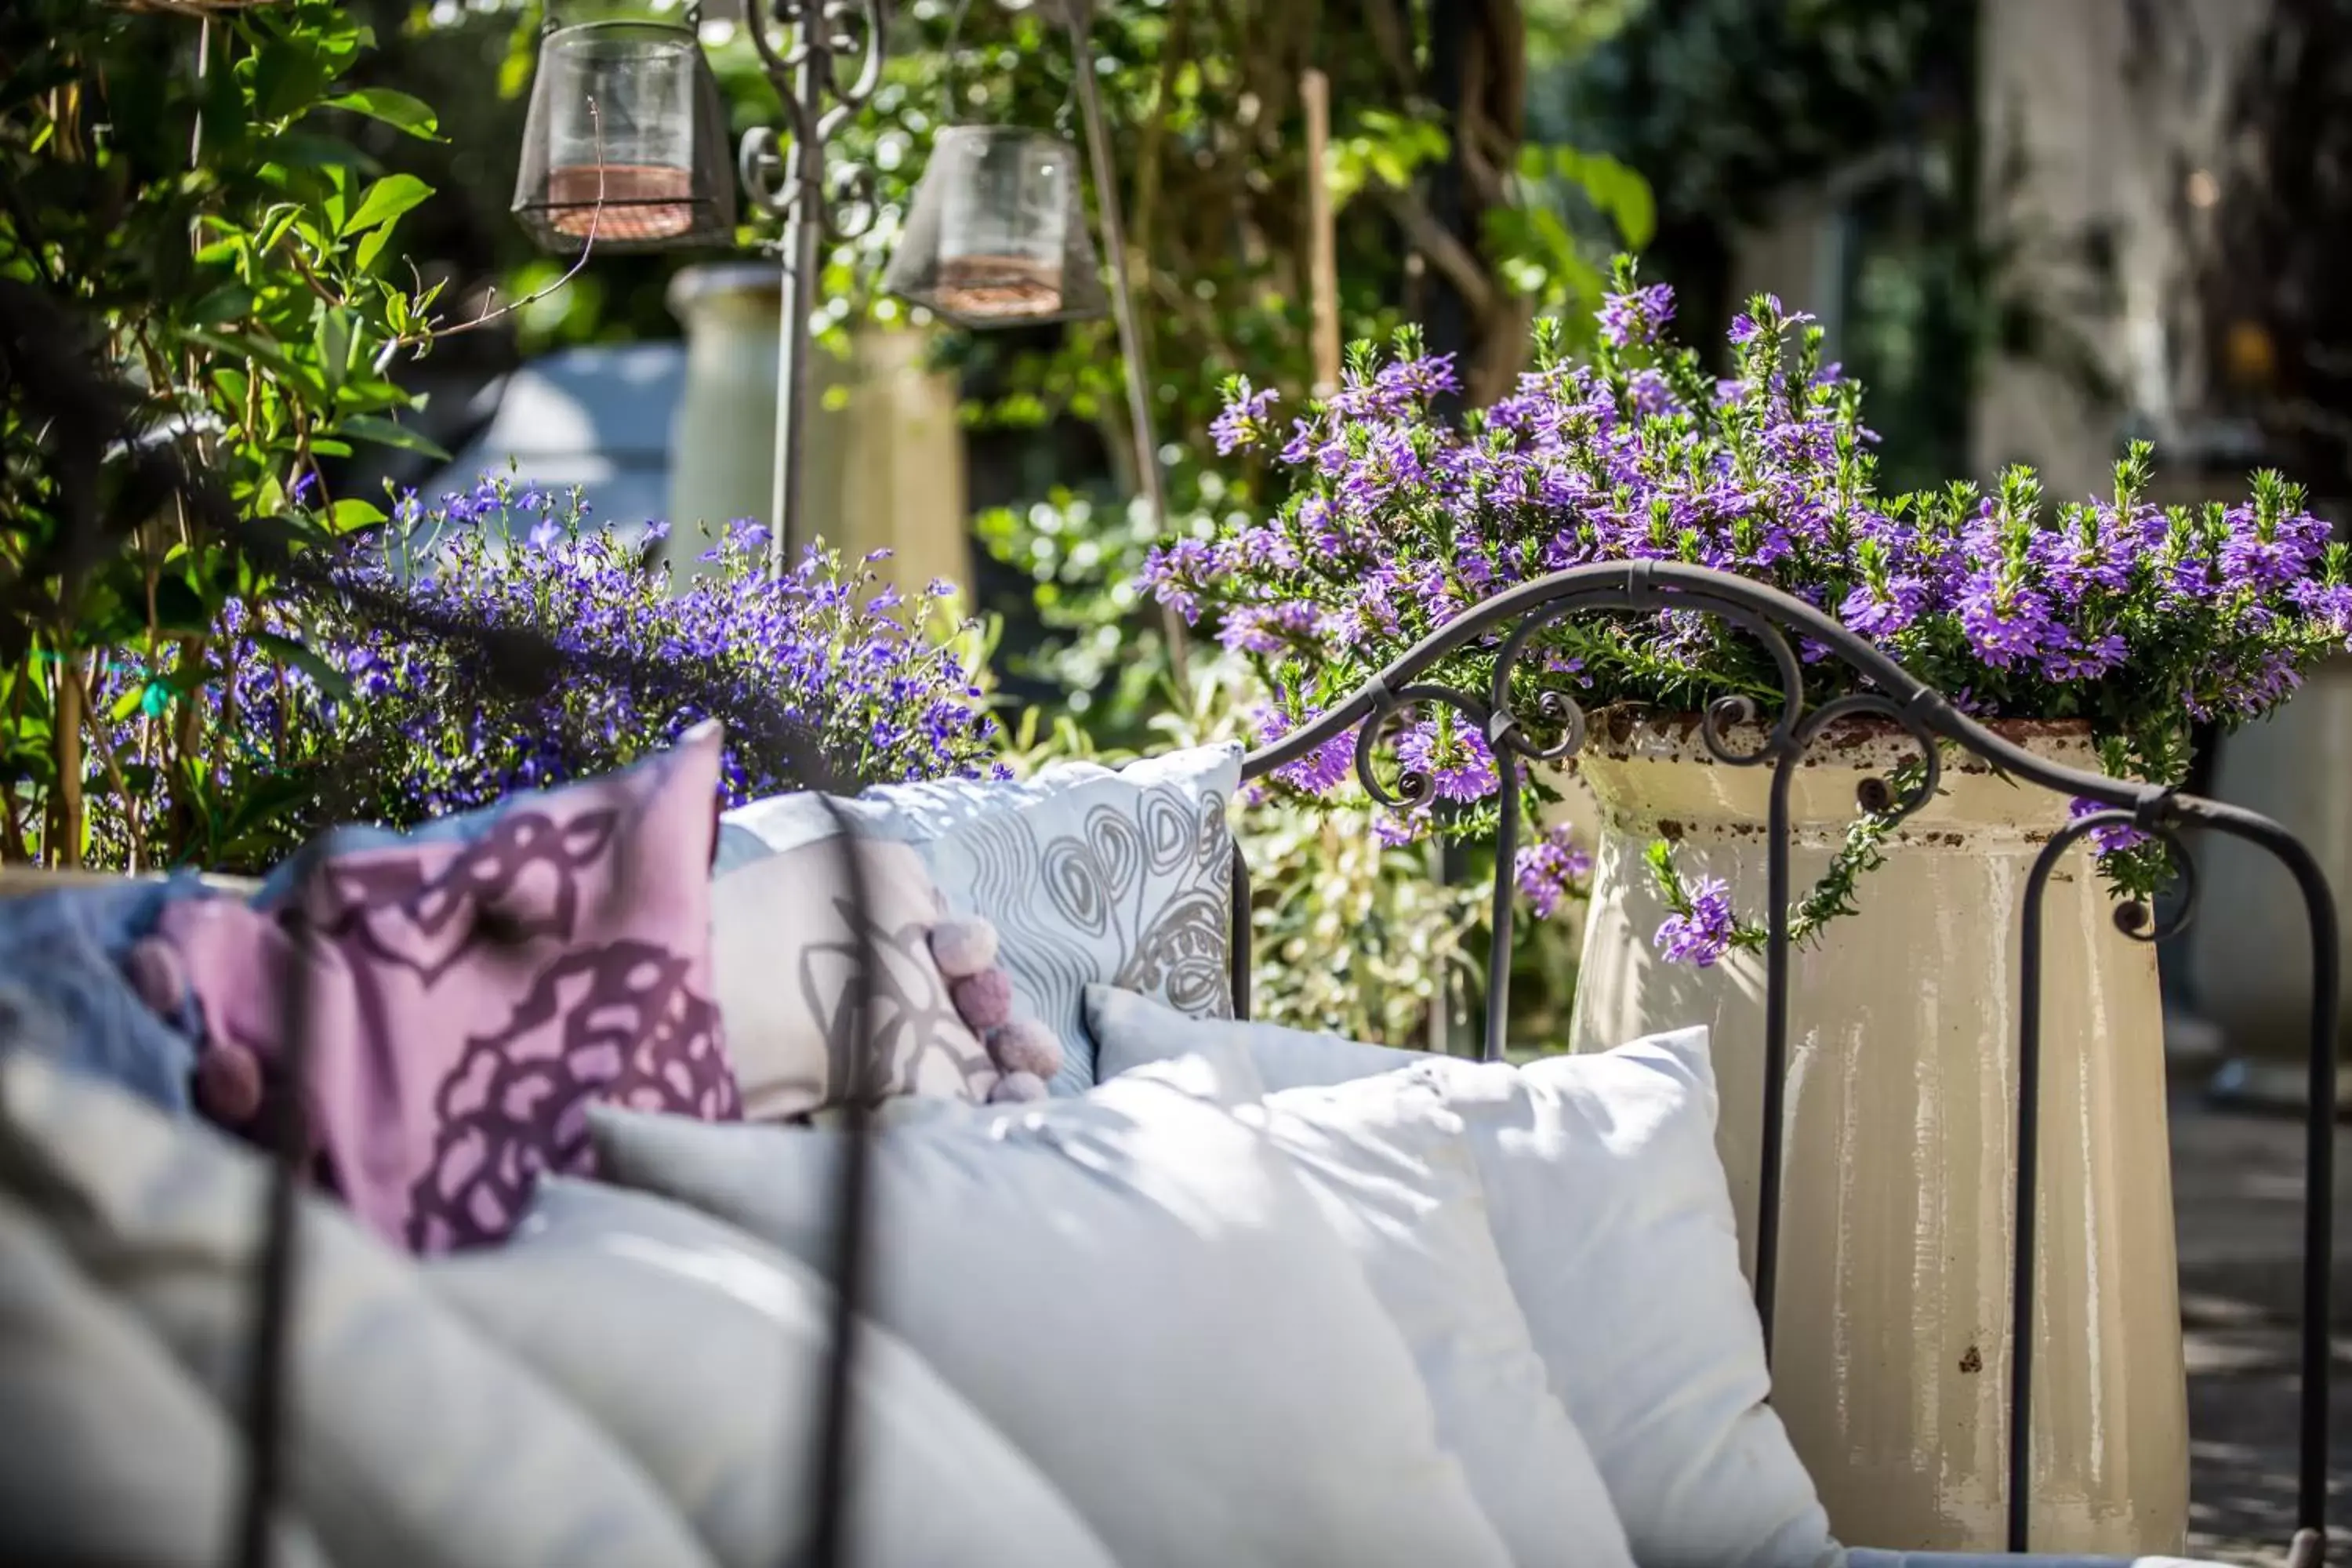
(1615, 1222)
(1136, 1290)
(108, 1452)
(411, 1440)
(1128, 1030)
(706, 1353)
(1089, 875)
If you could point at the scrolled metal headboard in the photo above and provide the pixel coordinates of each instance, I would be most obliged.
(1510, 621)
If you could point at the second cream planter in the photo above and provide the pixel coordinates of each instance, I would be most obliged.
(1891, 1348)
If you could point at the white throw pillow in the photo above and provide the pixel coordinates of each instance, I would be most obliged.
(1135, 1289)
(1398, 1182)
(1615, 1222)
(784, 961)
(411, 1440)
(1123, 878)
(706, 1352)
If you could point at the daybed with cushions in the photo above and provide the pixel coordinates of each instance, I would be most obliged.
(511, 1185)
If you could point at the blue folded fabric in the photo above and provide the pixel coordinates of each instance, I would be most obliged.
(63, 993)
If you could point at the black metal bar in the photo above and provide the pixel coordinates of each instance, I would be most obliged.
(1499, 941)
(832, 1539)
(268, 1374)
(2027, 1172)
(1776, 1047)
(1237, 956)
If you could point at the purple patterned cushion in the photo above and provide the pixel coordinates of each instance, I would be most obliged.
(465, 1000)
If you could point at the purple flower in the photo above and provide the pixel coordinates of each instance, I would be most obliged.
(1649, 395)
(1880, 611)
(1452, 754)
(2110, 838)
(1549, 870)
(1703, 935)
(546, 535)
(1636, 318)
(2005, 627)
(1243, 421)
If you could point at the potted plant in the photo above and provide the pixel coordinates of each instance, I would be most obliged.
(2093, 631)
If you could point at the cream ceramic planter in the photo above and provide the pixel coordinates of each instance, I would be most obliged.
(1891, 1353)
(2250, 942)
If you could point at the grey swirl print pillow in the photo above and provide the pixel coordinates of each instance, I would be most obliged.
(1091, 876)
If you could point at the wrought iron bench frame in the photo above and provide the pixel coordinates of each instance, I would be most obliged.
(1510, 621)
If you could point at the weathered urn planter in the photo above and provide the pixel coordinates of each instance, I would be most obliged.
(1891, 1343)
(2250, 944)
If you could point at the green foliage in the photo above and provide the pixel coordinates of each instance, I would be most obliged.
(191, 208)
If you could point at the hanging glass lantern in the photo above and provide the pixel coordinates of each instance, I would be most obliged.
(996, 235)
(626, 143)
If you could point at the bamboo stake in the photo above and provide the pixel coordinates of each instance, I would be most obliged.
(1323, 259)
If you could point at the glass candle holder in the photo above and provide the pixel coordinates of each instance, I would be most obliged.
(621, 103)
(1002, 222)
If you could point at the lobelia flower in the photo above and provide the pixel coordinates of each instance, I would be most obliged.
(425, 729)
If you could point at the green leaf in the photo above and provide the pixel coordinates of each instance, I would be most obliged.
(372, 246)
(384, 432)
(350, 514)
(1611, 186)
(333, 338)
(397, 109)
(309, 150)
(288, 78)
(229, 303)
(387, 200)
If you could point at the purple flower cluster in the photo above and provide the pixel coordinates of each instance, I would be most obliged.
(396, 727)
(1704, 933)
(2111, 610)
(1551, 870)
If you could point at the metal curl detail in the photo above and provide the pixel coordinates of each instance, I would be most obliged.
(1721, 714)
(854, 203)
(759, 162)
(2135, 916)
(1509, 733)
(1883, 802)
(1888, 691)
(1417, 789)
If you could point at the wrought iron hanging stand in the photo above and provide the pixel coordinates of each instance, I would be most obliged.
(813, 196)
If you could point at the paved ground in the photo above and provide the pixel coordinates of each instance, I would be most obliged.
(2236, 1186)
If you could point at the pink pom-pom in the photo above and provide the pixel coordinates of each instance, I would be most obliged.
(1024, 1045)
(229, 1084)
(984, 1000)
(1017, 1087)
(153, 967)
(963, 948)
